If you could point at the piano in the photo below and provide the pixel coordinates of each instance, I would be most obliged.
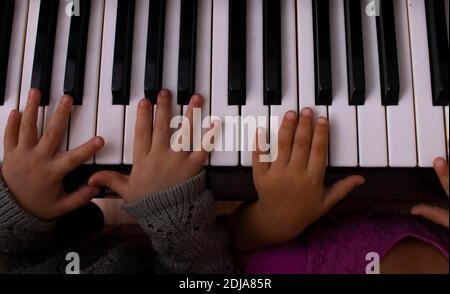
(378, 70)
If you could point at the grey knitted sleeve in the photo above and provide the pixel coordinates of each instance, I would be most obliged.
(181, 224)
(21, 231)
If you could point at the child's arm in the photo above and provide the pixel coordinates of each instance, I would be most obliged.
(181, 224)
(31, 192)
(166, 194)
(21, 231)
(290, 189)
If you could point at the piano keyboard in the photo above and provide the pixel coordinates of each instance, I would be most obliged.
(382, 81)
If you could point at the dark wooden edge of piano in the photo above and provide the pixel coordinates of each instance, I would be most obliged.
(236, 184)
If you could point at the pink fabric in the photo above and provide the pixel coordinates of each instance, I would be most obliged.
(335, 246)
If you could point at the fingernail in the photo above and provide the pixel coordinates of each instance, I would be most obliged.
(144, 103)
(14, 113)
(307, 111)
(94, 191)
(322, 121)
(361, 181)
(197, 99)
(290, 115)
(98, 141)
(415, 210)
(33, 96)
(439, 163)
(66, 100)
(34, 92)
(164, 93)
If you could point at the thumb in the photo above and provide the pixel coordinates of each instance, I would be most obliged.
(340, 189)
(110, 179)
(436, 214)
(76, 199)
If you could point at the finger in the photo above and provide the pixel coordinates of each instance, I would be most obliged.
(260, 160)
(110, 179)
(441, 168)
(302, 140)
(438, 215)
(68, 161)
(76, 199)
(11, 136)
(286, 135)
(54, 132)
(340, 189)
(319, 149)
(161, 131)
(201, 155)
(28, 128)
(195, 103)
(143, 130)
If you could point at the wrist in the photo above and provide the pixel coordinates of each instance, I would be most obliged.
(12, 213)
(179, 194)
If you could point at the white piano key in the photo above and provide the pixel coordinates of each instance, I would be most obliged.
(84, 117)
(305, 39)
(371, 115)
(447, 131)
(289, 97)
(203, 58)
(342, 116)
(28, 59)
(171, 52)
(110, 118)
(401, 133)
(14, 73)
(59, 66)
(137, 76)
(219, 89)
(430, 125)
(254, 113)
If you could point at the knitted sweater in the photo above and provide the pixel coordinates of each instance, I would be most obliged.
(179, 222)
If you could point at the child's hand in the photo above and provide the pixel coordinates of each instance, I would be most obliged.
(156, 166)
(436, 214)
(33, 169)
(290, 189)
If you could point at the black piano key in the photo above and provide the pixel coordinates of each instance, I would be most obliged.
(123, 47)
(438, 48)
(272, 52)
(322, 52)
(387, 52)
(76, 53)
(6, 22)
(155, 49)
(237, 52)
(45, 44)
(188, 45)
(355, 53)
